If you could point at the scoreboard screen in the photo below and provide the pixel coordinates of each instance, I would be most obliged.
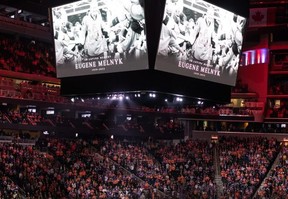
(200, 40)
(96, 36)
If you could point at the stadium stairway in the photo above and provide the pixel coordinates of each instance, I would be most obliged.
(218, 181)
(100, 157)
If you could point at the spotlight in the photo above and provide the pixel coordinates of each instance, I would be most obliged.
(179, 99)
(200, 102)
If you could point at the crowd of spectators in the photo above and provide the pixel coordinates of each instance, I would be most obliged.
(275, 184)
(73, 168)
(26, 56)
(90, 176)
(183, 170)
(67, 170)
(9, 189)
(71, 171)
(189, 165)
(136, 159)
(117, 168)
(30, 170)
(244, 163)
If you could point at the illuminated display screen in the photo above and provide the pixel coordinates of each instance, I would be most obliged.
(96, 36)
(200, 40)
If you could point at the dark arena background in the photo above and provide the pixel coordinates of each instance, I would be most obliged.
(143, 99)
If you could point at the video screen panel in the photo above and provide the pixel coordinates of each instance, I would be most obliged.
(99, 36)
(200, 40)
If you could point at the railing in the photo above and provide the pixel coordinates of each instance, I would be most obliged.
(19, 193)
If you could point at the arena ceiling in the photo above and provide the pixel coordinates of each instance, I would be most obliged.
(34, 6)
(37, 10)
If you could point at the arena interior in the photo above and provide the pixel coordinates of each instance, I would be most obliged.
(146, 144)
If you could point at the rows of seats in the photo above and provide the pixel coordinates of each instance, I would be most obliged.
(189, 167)
(88, 175)
(244, 163)
(275, 184)
(26, 56)
(26, 90)
(117, 168)
(163, 128)
(45, 92)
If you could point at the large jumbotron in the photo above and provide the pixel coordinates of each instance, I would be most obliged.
(188, 48)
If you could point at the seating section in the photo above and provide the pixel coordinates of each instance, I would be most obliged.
(274, 185)
(244, 163)
(121, 168)
(26, 56)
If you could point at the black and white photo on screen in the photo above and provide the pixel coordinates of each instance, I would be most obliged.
(97, 29)
(196, 31)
